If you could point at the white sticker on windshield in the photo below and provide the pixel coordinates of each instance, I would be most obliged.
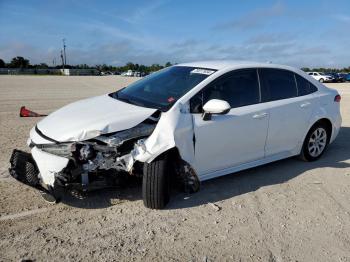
(202, 71)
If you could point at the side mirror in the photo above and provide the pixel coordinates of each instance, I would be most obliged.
(215, 106)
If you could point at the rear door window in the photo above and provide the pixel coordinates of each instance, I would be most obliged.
(277, 84)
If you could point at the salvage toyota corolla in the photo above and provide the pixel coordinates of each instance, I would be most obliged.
(193, 122)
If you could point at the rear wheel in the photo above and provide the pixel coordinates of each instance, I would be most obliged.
(156, 183)
(315, 142)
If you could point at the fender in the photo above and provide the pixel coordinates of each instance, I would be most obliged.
(174, 129)
(317, 115)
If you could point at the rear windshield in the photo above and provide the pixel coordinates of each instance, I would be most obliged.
(162, 89)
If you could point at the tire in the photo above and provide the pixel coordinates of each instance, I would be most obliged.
(156, 183)
(31, 174)
(315, 143)
(321, 80)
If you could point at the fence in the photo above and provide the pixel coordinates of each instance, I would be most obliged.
(26, 71)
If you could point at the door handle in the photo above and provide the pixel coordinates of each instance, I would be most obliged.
(261, 115)
(306, 104)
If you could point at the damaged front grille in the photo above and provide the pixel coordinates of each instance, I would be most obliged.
(113, 151)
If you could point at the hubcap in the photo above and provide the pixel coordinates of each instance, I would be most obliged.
(317, 142)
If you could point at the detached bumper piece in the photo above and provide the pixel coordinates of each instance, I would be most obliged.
(24, 169)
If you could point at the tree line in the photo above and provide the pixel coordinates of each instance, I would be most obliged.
(21, 62)
(327, 69)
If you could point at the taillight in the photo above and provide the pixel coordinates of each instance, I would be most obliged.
(337, 98)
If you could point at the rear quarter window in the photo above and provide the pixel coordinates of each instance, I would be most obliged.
(304, 86)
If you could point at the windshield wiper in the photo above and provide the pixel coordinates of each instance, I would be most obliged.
(130, 101)
(136, 102)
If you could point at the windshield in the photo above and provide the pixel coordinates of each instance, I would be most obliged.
(163, 88)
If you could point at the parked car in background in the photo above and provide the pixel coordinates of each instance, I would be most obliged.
(321, 77)
(107, 73)
(189, 122)
(347, 77)
(128, 73)
(337, 77)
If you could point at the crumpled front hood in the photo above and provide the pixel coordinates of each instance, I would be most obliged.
(89, 118)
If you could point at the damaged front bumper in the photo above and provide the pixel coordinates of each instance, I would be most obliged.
(51, 173)
(24, 169)
(95, 163)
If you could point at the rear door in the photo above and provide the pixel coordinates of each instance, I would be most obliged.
(289, 108)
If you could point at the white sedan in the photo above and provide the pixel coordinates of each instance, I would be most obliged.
(321, 77)
(189, 122)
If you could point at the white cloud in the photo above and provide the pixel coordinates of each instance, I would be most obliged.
(342, 18)
(253, 19)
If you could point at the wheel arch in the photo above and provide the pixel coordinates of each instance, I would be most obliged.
(176, 159)
(328, 124)
(326, 121)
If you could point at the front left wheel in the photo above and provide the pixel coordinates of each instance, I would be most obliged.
(156, 183)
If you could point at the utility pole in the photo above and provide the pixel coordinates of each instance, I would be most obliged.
(62, 59)
(64, 50)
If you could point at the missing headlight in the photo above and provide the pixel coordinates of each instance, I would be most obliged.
(86, 152)
(64, 150)
(117, 139)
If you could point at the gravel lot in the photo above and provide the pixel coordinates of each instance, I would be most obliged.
(285, 211)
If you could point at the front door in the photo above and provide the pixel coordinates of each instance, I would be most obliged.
(234, 138)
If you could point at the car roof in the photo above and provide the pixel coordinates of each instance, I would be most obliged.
(225, 64)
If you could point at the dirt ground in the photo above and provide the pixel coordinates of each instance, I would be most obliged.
(285, 211)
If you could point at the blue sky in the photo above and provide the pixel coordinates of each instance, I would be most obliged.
(299, 33)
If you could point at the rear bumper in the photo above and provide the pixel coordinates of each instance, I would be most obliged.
(336, 125)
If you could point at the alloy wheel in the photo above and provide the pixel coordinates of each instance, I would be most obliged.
(317, 142)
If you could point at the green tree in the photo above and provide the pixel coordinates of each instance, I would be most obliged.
(155, 67)
(42, 66)
(168, 64)
(19, 62)
(2, 63)
(129, 66)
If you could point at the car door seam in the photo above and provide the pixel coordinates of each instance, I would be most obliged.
(267, 132)
(194, 136)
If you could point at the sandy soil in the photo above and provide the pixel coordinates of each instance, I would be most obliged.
(284, 211)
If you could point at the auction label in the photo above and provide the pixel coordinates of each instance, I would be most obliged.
(202, 71)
